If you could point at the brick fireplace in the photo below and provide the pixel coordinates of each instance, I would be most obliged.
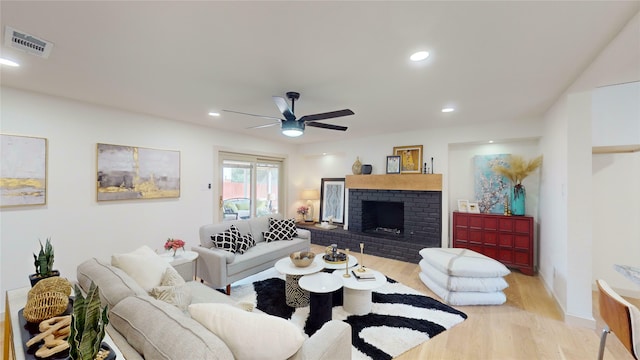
(421, 215)
(407, 208)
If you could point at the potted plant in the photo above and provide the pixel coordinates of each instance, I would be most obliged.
(43, 263)
(88, 324)
(517, 171)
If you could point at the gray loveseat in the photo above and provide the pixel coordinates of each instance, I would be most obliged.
(220, 268)
(143, 327)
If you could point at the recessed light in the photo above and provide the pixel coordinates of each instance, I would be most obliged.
(8, 62)
(419, 56)
(490, 141)
(214, 114)
(447, 109)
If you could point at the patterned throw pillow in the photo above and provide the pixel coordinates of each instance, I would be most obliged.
(280, 230)
(226, 240)
(244, 243)
(173, 290)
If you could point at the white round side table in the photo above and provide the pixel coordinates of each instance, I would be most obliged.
(320, 286)
(294, 295)
(357, 293)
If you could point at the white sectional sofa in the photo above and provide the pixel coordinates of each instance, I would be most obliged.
(143, 327)
(220, 268)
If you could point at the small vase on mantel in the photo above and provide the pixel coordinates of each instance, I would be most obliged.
(356, 168)
(517, 201)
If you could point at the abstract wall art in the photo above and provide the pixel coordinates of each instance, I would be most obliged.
(23, 170)
(131, 172)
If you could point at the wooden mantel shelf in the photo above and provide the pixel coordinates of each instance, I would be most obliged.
(415, 182)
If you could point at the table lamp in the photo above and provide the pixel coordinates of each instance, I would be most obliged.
(310, 195)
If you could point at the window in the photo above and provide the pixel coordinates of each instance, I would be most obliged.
(249, 186)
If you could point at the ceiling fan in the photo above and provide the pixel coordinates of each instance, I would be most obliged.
(292, 126)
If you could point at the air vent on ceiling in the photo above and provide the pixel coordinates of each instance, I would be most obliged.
(28, 43)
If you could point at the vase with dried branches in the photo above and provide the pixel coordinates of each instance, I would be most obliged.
(518, 169)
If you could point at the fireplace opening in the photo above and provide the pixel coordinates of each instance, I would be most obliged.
(383, 218)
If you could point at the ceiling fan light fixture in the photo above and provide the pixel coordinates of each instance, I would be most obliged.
(292, 128)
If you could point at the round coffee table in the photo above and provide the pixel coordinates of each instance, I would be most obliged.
(294, 295)
(321, 286)
(357, 293)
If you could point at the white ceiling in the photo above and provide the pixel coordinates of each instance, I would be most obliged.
(493, 61)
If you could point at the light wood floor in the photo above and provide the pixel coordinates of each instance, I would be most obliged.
(528, 326)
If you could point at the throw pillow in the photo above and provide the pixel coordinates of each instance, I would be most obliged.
(143, 265)
(244, 243)
(227, 239)
(280, 230)
(173, 290)
(270, 337)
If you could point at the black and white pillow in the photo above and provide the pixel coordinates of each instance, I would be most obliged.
(244, 243)
(226, 240)
(280, 230)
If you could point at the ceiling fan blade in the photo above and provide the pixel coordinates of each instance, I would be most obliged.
(263, 126)
(326, 126)
(282, 105)
(243, 113)
(327, 115)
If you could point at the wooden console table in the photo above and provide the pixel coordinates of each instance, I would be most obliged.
(508, 239)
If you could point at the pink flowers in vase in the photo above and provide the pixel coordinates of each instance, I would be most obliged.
(174, 244)
(303, 210)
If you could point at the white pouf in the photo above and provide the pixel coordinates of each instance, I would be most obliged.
(463, 277)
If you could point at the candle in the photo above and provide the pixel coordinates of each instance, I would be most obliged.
(346, 264)
(361, 269)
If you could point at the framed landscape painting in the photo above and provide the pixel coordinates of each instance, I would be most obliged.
(332, 200)
(131, 172)
(23, 170)
(410, 158)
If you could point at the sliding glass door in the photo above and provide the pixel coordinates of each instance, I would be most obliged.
(249, 186)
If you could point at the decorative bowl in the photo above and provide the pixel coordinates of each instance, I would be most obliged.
(302, 258)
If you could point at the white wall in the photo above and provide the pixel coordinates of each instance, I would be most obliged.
(579, 210)
(570, 252)
(461, 169)
(616, 215)
(78, 225)
(553, 203)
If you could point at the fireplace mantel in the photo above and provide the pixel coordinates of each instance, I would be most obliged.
(415, 182)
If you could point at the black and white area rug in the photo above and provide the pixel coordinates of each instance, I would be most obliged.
(400, 319)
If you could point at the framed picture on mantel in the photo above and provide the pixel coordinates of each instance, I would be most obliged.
(393, 164)
(332, 200)
(410, 158)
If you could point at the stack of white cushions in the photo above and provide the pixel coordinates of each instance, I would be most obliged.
(463, 277)
(155, 276)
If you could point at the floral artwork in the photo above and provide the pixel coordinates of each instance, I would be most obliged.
(491, 189)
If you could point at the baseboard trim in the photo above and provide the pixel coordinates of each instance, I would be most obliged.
(569, 319)
(573, 320)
